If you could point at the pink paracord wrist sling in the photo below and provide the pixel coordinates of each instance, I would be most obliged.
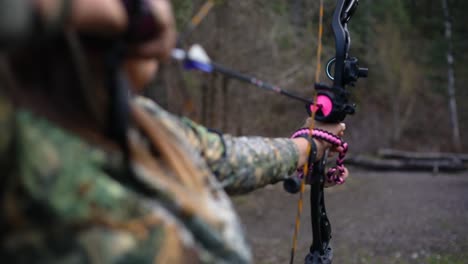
(335, 174)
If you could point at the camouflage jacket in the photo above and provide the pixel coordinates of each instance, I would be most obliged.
(62, 202)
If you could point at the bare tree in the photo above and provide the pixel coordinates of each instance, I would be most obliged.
(451, 78)
(297, 15)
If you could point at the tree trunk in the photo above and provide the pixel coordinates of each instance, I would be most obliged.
(396, 120)
(297, 16)
(225, 106)
(451, 78)
(212, 104)
(204, 102)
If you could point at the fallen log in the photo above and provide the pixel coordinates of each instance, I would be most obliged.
(400, 154)
(447, 165)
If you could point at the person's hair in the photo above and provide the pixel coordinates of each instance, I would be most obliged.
(45, 77)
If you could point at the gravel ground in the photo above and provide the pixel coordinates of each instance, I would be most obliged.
(377, 217)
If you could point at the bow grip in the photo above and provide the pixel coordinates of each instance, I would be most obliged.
(293, 184)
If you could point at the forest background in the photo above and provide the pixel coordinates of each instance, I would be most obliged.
(403, 104)
(393, 217)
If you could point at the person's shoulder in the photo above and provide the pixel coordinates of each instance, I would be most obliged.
(170, 120)
(146, 103)
(183, 127)
(151, 107)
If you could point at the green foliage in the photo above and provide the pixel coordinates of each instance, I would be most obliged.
(446, 259)
(280, 7)
(402, 42)
(394, 10)
(183, 12)
(284, 36)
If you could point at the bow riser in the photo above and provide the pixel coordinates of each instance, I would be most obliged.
(341, 45)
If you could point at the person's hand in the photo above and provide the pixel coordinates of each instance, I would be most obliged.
(160, 47)
(106, 17)
(322, 146)
(144, 63)
(109, 17)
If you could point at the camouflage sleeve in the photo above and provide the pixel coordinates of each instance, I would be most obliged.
(241, 164)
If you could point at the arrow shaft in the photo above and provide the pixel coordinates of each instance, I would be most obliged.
(182, 55)
(258, 83)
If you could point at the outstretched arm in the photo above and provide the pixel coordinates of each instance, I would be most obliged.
(241, 164)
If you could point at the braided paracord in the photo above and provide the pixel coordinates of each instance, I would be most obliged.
(335, 174)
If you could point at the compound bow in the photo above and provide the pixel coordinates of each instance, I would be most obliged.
(332, 106)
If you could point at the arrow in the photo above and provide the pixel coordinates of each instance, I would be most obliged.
(196, 58)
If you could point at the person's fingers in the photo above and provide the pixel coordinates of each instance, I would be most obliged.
(161, 46)
(345, 174)
(336, 129)
(108, 17)
(341, 129)
(104, 16)
(337, 149)
(334, 150)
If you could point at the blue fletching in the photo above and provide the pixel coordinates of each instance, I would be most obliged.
(197, 65)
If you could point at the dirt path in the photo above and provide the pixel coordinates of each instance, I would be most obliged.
(376, 218)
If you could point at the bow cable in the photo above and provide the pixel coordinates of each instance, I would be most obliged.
(196, 20)
(311, 127)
